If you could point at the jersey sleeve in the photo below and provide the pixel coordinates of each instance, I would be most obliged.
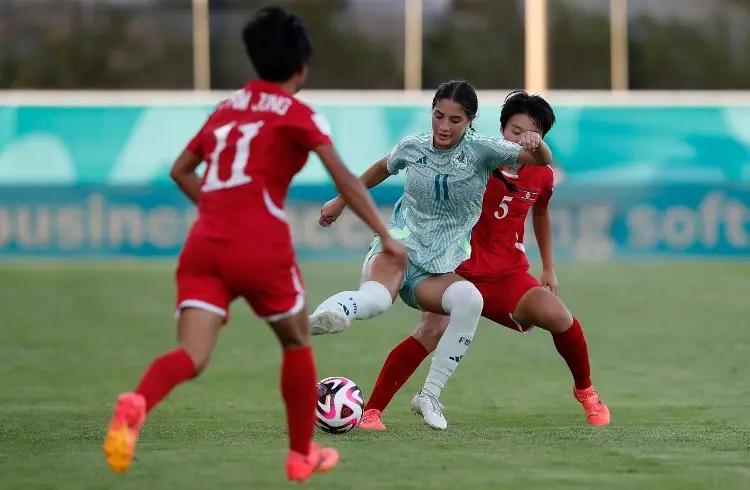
(496, 152)
(311, 129)
(547, 188)
(396, 159)
(196, 144)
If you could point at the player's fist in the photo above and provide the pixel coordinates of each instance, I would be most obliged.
(331, 211)
(395, 250)
(549, 281)
(530, 140)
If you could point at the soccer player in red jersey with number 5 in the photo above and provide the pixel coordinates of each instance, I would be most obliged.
(240, 245)
(499, 268)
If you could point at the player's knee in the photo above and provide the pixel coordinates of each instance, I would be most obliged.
(463, 296)
(556, 317)
(561, 320)
(377, 299)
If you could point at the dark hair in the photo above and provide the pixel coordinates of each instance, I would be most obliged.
(277, 44)
(534, 106)
(462, 93)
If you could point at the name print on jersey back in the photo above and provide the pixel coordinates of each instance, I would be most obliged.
(240, 101)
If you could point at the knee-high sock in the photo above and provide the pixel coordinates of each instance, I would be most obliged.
(464, 303)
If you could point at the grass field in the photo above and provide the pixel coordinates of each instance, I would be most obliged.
(670, 349)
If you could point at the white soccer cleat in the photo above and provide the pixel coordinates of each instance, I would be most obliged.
(328, 322)
(430, 408)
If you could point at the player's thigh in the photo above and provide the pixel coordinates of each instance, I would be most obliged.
(200, 284)
(540, 307)
(382, 269)
(502, 296)
(429, 291)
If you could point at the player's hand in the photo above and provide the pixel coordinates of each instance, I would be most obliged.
(394, 249)
(530, 140)
(331, 211)
(549, 281)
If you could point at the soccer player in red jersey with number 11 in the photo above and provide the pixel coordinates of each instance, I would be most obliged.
(499, 268)
(240, 245)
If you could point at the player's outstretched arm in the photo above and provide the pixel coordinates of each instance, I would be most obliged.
(376, 174)
(353, 190)
(535, 151)
(373, 176)
(183, 173)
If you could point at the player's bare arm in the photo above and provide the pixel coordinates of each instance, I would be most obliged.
(355, 193)
(376, 174)
(535, 151)
(183, 173)
(373, 176)
(540, 218)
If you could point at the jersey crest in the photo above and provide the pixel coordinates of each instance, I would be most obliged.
(460, 160)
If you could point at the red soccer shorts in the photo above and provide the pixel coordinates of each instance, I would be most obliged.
(213, 273)
(501, 296)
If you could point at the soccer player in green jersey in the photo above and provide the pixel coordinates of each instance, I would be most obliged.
(447, 169)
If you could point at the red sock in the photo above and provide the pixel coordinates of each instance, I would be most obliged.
(398, 368)
(299, 389)
(571, 344)
(164, 373)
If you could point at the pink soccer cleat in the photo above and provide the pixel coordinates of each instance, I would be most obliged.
(597, 412)
(300, 468)
(371, 420)
(122, 434)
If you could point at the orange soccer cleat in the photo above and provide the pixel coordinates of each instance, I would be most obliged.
(300, 468)
(371, 420)
(122, 434)
(597, 412)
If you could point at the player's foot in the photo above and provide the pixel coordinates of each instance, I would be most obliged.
(328, 322)
(300, 468)
(122, 434)
(371, 420)
(597, 412)
(428, 406)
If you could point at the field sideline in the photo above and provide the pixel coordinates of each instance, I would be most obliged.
(669, 345)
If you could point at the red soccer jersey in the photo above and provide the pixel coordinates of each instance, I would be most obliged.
(497, 238)
(254, 143)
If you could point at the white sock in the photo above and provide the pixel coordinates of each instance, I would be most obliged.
(372, 299)
(463, 301)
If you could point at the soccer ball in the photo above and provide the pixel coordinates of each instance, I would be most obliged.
(340, 405)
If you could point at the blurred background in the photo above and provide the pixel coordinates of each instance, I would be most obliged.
(652, 143)
(150, 44)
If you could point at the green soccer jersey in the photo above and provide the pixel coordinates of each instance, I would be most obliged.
(443, 193)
